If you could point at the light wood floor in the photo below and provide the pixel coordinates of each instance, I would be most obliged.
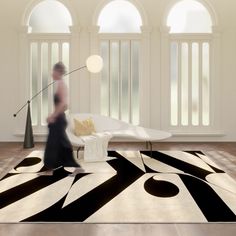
(13, 153)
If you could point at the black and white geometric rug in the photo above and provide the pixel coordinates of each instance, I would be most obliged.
(131, 187)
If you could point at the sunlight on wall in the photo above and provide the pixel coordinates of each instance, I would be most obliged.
(120, 16)
(50, 16)
(189, 16)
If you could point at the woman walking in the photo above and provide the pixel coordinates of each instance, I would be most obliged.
(58, 151)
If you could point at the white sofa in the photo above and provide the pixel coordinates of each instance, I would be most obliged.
(120, 130)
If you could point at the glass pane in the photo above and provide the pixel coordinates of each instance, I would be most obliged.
(205, 84)
(54, 56)
(184, 84)
(125, 81)
(195, 84)
(114, 80)
(50, 16)
(189, 16)
(135, 82)
(55, 53)
(66, 60)
(45, 81)
(174, 84)
(105, 79)
(34, 81)
(120, 16)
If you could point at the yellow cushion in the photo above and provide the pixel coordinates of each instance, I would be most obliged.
(85, 127)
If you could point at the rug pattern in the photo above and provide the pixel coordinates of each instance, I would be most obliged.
(130, 187)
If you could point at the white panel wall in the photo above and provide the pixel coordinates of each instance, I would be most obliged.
(11, 13)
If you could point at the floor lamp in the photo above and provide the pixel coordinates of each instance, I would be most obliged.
(94, 64)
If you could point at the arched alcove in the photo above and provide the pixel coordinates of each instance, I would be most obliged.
(49, 16)
(189, 16)
(119, 16)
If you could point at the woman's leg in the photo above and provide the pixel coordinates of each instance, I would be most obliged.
(52, 159)
(66, 153)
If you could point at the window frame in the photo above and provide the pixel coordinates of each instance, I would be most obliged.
(214, 129)
(190, 39)
(24, 62)
(145, 98)
(119, 37)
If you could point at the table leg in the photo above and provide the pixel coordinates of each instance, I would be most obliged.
(78, 149)
(150, 143)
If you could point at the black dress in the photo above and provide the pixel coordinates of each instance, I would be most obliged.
(58, 151)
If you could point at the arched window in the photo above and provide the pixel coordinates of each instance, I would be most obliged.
(120, 16)
(46, 47)
(190, 65)
(189, 16)
(50, 16)
(120, 35)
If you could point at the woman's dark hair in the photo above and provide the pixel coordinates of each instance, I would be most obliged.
(60, 67)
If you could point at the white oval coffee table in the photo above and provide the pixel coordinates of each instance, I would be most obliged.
(143, 134)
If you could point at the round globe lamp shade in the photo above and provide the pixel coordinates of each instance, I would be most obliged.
(94, 64)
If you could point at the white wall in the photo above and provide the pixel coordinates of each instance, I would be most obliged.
(11, 13)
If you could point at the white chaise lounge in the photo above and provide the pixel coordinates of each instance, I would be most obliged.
(120, 130)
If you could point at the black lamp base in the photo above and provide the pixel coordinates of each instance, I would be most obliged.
(29, 137)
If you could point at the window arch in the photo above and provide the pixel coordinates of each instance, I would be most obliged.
(120, 16)
(189, 16)
(49, 16)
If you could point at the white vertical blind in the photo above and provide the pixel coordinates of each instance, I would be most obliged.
(105, 82)
(114, 79)
(174, 82)
(125, 80)
(184, 83)
(205, 83)
(134, 91)
(44, 81)
(34, 84)
(195, 84)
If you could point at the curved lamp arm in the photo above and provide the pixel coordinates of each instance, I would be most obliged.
(46, 87)
(94, 64)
